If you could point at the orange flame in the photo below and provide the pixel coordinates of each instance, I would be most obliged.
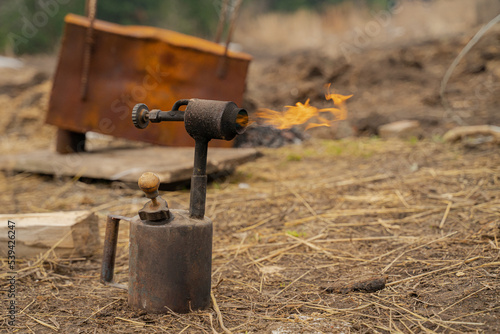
(301, 113)
(242, 120)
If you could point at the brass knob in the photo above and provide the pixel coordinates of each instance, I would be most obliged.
(149, 183)
(155, 211)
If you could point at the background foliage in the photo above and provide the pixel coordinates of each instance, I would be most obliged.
(195, 17)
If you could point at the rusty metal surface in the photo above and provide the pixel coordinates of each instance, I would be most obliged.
(207, 119)
(170, 259)
(198, 194)
(69, 142)
(155, 210)
(170, 265)
(109, 252)
(138, 64)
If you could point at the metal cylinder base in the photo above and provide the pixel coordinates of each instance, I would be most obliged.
(171, 265)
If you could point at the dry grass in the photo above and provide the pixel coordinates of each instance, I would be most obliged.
(327, 213)
(425, 214)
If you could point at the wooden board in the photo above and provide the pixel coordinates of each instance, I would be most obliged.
(71, 233)
(172, 164)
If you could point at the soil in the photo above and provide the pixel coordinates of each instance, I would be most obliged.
(295, 231)
(390, 83)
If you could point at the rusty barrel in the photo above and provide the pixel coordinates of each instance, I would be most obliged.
(170, 264)
(132, 64)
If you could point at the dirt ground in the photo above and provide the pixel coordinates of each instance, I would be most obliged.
(295, 230)
(389, 83)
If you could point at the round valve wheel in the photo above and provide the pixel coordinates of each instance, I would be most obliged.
(140, 116)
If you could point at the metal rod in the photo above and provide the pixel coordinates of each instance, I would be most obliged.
(91, 10)
(172, 116)
(199, 180)
(222, 21)
(221, 71)
(109, 253)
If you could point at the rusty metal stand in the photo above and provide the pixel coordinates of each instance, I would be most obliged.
(198, 193)
(170, 253)
(69, 141)
(204, 120)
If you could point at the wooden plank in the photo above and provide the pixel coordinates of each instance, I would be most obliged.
(172, 164)
(76, 233)
(462, 132)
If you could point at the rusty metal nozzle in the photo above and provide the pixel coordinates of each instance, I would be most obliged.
(207, 119)
(157, 209)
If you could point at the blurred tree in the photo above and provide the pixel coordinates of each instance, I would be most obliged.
(292, 5)
(282, 5)
(144, 12)
(195, 17)
(30, 26)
